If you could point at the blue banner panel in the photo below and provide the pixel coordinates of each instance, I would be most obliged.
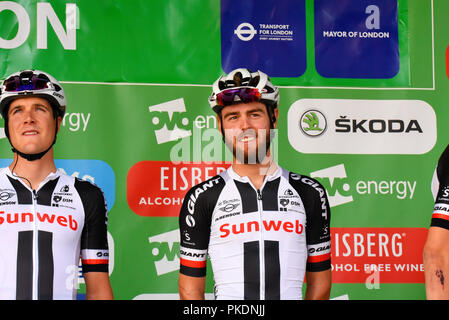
(264, 35)
(356, 38)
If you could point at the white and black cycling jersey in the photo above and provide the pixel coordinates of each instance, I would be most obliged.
(44, 232)
(440, 185)
(260, 242)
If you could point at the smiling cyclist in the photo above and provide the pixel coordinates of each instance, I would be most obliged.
(264, 228)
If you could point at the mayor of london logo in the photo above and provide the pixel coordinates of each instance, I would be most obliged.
(313, 123)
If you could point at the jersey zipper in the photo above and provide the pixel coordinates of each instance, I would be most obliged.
(261, 246)
(35, 248)
(35, 228)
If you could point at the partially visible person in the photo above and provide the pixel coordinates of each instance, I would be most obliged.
(436, 250)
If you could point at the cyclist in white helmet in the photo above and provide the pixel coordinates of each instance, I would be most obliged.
(48, 220)
(264, 228)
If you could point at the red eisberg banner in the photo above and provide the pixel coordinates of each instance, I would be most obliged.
(386, 255)
(157, 188)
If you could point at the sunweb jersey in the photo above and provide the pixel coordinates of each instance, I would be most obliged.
(260, 242)
(44, 232)
(440, 216)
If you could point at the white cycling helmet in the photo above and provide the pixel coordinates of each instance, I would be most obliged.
(32, 83)
(243, 85)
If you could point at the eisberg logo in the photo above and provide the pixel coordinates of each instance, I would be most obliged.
(245, 31)
(172, 109)
(361, 126)
(164, 196)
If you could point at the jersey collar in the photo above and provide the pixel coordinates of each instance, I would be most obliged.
(273, 173)
(51, 176)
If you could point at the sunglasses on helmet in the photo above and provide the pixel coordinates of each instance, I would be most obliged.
(226, 97)
(25, 82)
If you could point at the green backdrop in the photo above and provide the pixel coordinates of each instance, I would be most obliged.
(137, 76)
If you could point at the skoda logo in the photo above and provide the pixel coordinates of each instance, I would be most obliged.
(245, 31)
(313, 123)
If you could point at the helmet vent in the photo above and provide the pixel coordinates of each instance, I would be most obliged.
(254, 81)
(238, 79)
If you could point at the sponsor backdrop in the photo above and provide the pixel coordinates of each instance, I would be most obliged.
(364, 89)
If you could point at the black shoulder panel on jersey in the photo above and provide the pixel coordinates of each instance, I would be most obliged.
(23, 194)
(45, 193)
(248, 196)
(94, 235)
(443, 167)
(195, 219)
(270, 195)
(316, 204)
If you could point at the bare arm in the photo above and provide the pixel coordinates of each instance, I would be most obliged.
(191, 288)
(318, 285)
(98, 286)
(436, 263)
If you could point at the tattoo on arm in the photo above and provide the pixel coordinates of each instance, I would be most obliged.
(439, 274)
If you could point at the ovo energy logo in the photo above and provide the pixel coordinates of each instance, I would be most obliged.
(169, 112)
(340, 190)
(165, 251)
(334, 180)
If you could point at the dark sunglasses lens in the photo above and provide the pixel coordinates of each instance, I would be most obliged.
(16, 83)
(245, 95)
(226, 96)
(249, 95)
(39, 84)
(12, 84)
